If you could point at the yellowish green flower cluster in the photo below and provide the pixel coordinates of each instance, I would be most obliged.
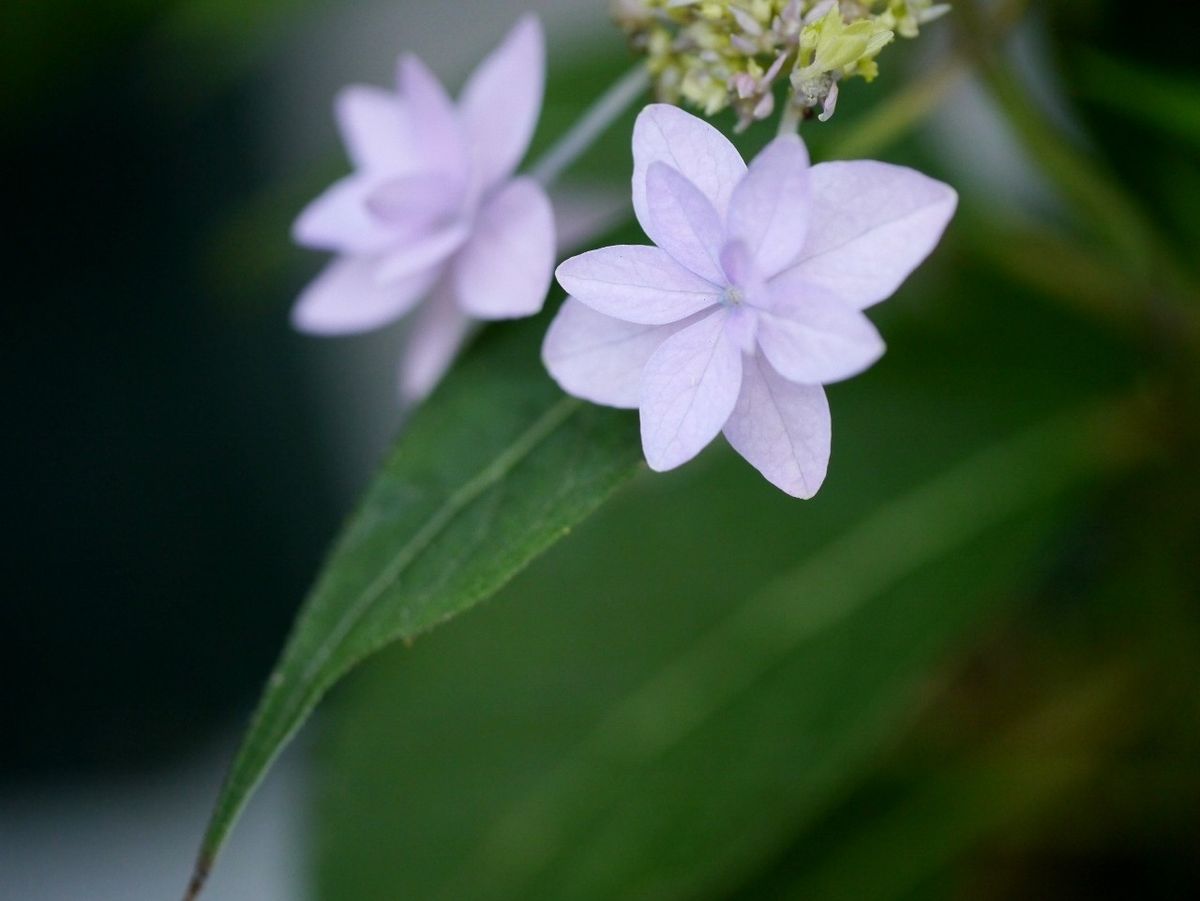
(715, 54)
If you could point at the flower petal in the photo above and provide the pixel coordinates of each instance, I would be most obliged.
(434, 117)
(872, 224)
(600, 358)
(421, 252)
(346, 297)
(502, 98)
(340, 220)
(683, 222)
(377, 130)
(769, 208)
(439, 330)
(636, 283)
(411, 204)
(741, 269)
(813, 337)
(505, 269)
(781, 428)
(666, 134)
(689, 387)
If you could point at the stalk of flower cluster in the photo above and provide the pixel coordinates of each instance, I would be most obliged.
(789, 120)
(594, 122)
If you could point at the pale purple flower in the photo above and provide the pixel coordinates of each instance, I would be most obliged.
(432, 209)
(751, 300)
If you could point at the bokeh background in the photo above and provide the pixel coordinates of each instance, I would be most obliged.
(990, 685)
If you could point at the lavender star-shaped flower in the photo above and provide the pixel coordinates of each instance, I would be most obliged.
(433, 210)
(751, 300)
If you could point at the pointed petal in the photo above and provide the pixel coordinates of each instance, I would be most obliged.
(741, 269)
(683, 223)
(600, 358)
(636, 283)
(411, 204)
(813, 337)
(340, 220)
(377, 130)
(505, 269)
(769, 208)
(666, 134)
(502, 99)
(689, 387)
(439, 330)
(434, 118)
(781, 428)
(872, 224)
(346, 298)
(421, 252)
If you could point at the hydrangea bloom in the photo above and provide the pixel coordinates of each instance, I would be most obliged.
(433, 210)
(751, 300)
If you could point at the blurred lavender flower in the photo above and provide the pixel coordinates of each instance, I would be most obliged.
(433, 210)
(751, 300)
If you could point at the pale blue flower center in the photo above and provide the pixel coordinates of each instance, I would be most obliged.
(732, 296)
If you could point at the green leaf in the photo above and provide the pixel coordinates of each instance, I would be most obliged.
(724, 741)
(621, 816)
(932, 813)
(708, 665)
(496, 467)
(1167, 101)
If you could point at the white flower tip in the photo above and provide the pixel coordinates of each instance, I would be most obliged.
(408, 66)
(346, 97)
(658, 465)
(950, 199)
(650, 110)
(787, 150)
(414, 75)
(800, 489)
(655, 112)
(943, 202)
(658, 457)
(307, 319)
(305, 232)
(526, 41)
(563, 271)
(528, 28)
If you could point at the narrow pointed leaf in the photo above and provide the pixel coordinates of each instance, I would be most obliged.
(496, 467)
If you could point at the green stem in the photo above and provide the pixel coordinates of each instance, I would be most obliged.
(789, 120)
(594, 122)
(903, 110)
(906, 108)
(1108, 211)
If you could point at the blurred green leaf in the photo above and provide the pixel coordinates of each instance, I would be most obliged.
(946, 808)
(1166, 101)
(679, 785)
(545, 782)
(496, 467)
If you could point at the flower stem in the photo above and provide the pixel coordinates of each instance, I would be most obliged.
(599, 116)
(789, 120)
(897, 115)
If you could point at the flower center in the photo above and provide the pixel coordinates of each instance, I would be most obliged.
(732, 296)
